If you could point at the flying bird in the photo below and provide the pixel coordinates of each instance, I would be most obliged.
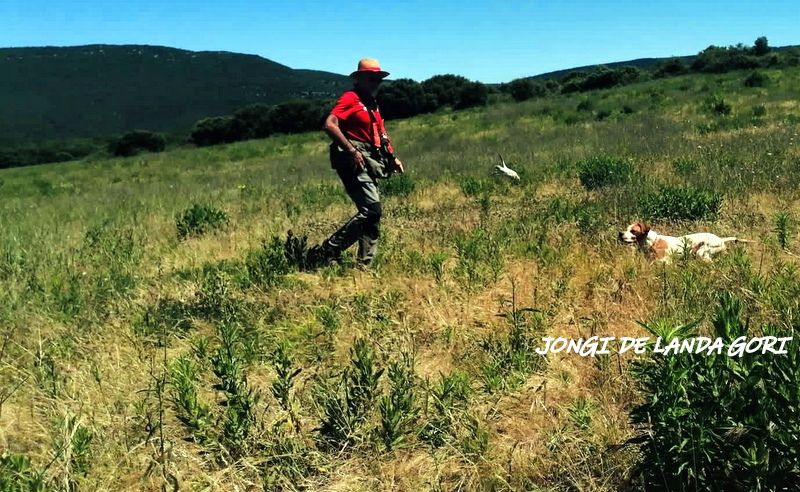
(502, 168)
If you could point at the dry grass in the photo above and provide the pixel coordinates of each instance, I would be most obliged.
(99, 369)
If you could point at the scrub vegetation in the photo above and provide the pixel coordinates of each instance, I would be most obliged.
(154, 336)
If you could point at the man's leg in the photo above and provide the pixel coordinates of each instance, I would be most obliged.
(361, 227)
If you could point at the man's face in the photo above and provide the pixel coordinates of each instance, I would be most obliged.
(370, 82)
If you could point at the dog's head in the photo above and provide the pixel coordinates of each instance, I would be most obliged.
(635, 233)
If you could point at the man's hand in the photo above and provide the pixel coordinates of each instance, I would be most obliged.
(399, 165)
(358, 160)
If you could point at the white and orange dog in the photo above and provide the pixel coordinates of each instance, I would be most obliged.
(702, 245)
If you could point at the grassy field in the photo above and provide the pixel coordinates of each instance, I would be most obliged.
(135, 359)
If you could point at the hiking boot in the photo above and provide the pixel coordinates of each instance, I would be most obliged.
(319, 256)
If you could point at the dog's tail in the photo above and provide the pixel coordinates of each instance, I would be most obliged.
(732, 239)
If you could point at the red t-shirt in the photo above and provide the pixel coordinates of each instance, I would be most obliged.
(354, 120)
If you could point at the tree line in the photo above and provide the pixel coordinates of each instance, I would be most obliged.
(404, 98)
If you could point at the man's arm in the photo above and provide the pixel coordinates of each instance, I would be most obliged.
(331, 127)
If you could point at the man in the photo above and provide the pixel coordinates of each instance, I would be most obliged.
(361, 153)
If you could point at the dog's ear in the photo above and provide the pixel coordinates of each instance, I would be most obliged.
(644, 228)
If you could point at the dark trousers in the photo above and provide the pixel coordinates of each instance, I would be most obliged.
(364, 225)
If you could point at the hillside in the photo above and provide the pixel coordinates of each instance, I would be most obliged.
(640, 63)
(101, 90)
(133, 358)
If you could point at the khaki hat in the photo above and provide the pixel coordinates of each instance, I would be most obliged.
(369, 65)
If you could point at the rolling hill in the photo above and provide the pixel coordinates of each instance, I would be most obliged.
(101, 90)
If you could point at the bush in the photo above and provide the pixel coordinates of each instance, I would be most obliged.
(404, 98)
(684, 166)
(600, 171)
(585, 105)
(346, 402)
(761, 46)
(718, 422)
(473, 187)
(756, 79)
(715, 59)
(470, 95)
(602, 114)
(717, 105)
(397, 185)
(137, 141)
(217, 130)
(299, 116)
(17, 474)
(524, 89)
(254, 121)
(670, 68)
(199, 219)
(600, 78)
(53, 151)
(681, 203)
(444, 89)
(267, 264)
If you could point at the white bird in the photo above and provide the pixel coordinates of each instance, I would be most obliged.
(506, 170)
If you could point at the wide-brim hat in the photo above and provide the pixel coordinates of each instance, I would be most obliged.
(369, 65)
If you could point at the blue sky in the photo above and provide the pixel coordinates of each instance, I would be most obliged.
(487, 41)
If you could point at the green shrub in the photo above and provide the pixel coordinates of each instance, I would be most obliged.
(480, 257)
(195, 416)
(74, 441)
(474, 187)
(138, 141)
(756, 79)
(397, 185)
(17, 475)
(670, 68)
(403, 98)
(715, 104)
(165, 317)
(286, 373)
(213, 297)
(585, 105)
(347, 401)
(266, 265)
(436, 264)
(229, 365)
(471, 94)
(783, 228)
(684, 166)
(447, 418)
(681, 203)
(524, 89)
(217, 130)
(398, 409)
(602, 114)
(719, 422)
(444, 89)
(200, 219)
(508, 360)
(600, 171)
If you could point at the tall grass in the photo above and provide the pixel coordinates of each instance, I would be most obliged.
(146, 341)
